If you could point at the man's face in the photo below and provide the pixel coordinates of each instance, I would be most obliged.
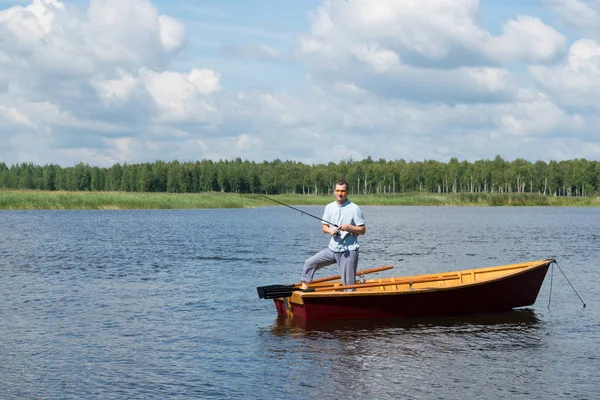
(341, 193)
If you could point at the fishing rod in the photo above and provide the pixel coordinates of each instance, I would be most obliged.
(303, 212)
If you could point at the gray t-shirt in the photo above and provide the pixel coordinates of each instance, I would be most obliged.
(347, 213)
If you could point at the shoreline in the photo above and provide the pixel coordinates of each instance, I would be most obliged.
(61, 200)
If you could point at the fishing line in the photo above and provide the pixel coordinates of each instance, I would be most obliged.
(303, 212)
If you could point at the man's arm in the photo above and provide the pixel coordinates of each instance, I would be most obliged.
(355, 230)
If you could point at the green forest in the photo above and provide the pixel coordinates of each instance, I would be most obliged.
(578, 177)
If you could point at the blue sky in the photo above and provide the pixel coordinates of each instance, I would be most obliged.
(106, 81)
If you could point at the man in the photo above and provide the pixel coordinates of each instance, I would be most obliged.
(343, 245)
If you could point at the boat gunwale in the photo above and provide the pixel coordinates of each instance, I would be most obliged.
(526, 267)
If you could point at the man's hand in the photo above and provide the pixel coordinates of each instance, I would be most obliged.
(346, 227)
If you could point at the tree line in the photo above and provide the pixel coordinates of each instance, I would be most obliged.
(578, 177)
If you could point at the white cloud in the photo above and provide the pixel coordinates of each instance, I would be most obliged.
(68, 76)
(132, 31)
(115, 90)
(536, 118)
(581, 14)
(16, 116)
(426, 32)
(166, 96)
(575, 83)
(47, 37)
(526, 39)
(385, 78)
(245, 142)
(172, 33)
(425, 50)
(181, 97)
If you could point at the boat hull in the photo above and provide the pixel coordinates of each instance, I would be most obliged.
(513, 291)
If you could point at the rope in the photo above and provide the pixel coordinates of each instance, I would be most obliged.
(584, 306)
(551, 276)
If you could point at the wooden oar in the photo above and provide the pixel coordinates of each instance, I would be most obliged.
(276, 291)
(388, 283)
(363, 272)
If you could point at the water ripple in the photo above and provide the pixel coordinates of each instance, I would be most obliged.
(162, 304)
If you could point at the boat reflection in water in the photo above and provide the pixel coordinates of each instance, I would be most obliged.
(400, 358)
(510, 320)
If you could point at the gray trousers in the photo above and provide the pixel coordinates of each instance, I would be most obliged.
(346, 261)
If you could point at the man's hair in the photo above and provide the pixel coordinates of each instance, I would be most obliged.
(342, 182)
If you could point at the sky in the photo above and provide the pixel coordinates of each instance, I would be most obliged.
(314, 81)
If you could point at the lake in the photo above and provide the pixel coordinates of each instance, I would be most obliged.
(162, 304)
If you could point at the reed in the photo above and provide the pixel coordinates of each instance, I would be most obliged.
(47, 200)
(449, 199)
(60, 200)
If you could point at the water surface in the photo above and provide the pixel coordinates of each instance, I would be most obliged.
(162, 304)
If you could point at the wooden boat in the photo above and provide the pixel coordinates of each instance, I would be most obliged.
(470, 291)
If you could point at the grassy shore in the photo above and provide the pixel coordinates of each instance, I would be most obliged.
(47, 200)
